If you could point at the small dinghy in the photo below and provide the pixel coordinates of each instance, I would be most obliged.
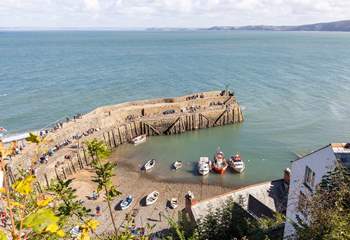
(126, 202)
(152, 198)
(149, 164)
(139, 139)
(177, 165)
(173, 203)
(203, 166)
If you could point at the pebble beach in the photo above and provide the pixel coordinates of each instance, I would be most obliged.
(138, 184)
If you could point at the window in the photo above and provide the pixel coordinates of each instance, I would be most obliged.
(344, 158)
(309, 178)
(302, 203)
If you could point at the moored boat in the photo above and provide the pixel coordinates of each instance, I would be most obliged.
(219, 164)
(203, 166)
(149, 164)
(177, 165)
(173, 203)
(126, 202)
(236, 163)
(152, 198)
(139, 139)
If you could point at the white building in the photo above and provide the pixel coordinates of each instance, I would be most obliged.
(306, 174)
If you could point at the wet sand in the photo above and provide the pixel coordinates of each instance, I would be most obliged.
(139, 184)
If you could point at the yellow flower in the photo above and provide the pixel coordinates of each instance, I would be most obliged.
(52, 228)
(92, 224)
(24, 186)
(2, 190)
(60, 233)
(84, 235)
(16, 204)
(44, 202)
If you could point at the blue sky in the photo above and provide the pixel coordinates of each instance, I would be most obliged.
(168, 13)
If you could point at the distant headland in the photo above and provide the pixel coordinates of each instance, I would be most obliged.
(339, 26)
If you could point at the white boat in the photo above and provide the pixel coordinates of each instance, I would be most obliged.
(139, 139)
(203, 166)
(152, 198)
(75, 232)
(177, 165)
(126, 202)
(189, 195)
(149, 164)
(237, 164)
(173, 203)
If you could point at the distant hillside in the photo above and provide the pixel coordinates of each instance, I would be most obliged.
(340, 26)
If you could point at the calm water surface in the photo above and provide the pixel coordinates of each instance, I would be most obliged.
(294, 88)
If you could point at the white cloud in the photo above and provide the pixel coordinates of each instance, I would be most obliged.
(143, 13)
(92, 5)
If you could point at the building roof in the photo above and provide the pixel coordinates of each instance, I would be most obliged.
(341, 147)
(336, 148)
(271, 194)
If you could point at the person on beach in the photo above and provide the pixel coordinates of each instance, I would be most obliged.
(160, 216)
(98, 211)
(94, 195)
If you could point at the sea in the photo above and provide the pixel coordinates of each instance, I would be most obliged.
(293, 87)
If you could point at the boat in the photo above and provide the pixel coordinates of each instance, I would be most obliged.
(236, 163)
(152, 198)
(203, 166)
(139, 139)
(189, 195)
(177, 165)
(173, 203)
(149, 164)
(219, 165)
(75, 232)
(126, 202)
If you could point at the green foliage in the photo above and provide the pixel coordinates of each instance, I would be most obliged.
(128, 234)
(42, 220)
(104, 173)
(103, 178)
(266, 223)
(97, 149)
(33, 138)
(328, 209)
(69, 204)
(228, 222)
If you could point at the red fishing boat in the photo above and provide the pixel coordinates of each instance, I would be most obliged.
(219, 163)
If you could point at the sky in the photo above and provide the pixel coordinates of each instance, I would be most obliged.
(168, 13)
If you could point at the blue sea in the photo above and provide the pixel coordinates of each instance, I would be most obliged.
(294, 88)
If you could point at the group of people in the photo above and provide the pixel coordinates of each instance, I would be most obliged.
(45, 157)
(59, 124)
(85, 133)
(195, 97)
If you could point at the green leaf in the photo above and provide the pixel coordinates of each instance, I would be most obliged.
(40, 220)
(33, 138)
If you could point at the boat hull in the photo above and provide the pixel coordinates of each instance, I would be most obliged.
(238, 170)
(203, 172)
(152, 198)
(219, 170)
